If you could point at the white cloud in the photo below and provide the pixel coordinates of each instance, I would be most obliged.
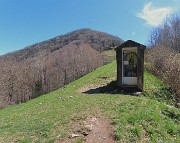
(153, 15)
(133, 33)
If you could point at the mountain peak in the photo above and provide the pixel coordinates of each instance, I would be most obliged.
(99, 41)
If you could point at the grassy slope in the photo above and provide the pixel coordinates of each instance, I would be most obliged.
(50, 117)
(108, 55)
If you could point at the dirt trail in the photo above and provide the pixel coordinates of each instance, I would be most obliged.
(95, 129)
(101, 131)
(91, 88)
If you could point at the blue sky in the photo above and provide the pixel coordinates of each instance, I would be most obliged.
(25, 22)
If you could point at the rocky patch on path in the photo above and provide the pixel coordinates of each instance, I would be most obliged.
(92, 130)
(100, 130)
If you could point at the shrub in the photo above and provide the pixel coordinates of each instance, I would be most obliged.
(165, 63)
(163, 58)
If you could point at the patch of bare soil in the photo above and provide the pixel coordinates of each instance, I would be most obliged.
(92, 87)
(97, 87)
(92, 130)
(109, 87)
(100, 130)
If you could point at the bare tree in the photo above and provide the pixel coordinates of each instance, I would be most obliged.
(167, 34)
(164, 54)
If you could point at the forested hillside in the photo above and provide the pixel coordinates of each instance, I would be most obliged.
(99, 41)
(48, 65)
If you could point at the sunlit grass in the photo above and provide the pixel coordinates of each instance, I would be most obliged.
(137, 119)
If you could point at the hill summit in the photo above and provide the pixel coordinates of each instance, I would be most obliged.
(48, 65)
(99, 41)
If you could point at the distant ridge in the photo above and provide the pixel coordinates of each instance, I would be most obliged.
(99, 41)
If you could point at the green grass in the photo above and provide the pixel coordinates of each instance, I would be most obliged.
(155, 88)
(109, 55)
(49, 118)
